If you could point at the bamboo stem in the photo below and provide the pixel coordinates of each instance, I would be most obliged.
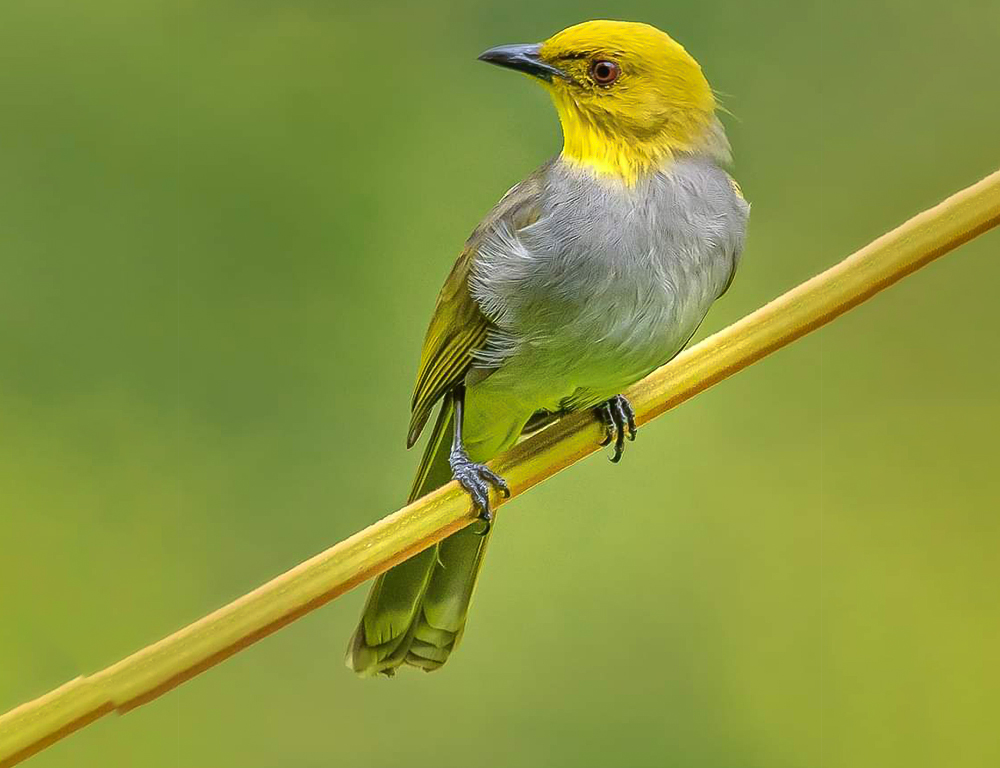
(152, 671)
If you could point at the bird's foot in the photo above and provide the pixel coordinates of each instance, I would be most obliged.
(476, 479)
(619, 422)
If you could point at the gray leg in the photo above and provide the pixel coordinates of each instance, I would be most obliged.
(475, 478)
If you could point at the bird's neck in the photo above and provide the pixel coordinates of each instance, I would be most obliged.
(591, 144)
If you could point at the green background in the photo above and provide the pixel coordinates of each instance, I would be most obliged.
(222, 229)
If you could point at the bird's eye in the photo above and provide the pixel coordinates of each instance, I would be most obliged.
(604, 72)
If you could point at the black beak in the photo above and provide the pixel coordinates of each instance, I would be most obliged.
(523, 58)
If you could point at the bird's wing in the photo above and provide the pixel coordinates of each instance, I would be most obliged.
(458, 327)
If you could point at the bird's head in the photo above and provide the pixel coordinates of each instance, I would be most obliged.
(629, 96)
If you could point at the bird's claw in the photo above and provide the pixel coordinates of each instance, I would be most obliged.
(476, 479)
(619, 422)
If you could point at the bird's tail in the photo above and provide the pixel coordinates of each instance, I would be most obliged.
(416, 611)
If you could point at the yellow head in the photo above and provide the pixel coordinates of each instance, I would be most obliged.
(629, 97)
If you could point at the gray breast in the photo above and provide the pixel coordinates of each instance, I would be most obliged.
(608, 282)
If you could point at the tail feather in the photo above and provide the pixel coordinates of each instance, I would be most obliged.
(416, 611)
(382, 639)
(446, 601)
(445, 604)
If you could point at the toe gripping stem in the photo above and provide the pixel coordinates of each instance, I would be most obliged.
(475, 478)
(618, 418)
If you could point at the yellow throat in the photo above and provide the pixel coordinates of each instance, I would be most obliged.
(599, 149)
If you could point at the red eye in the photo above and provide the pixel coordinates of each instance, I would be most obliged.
(604, 72)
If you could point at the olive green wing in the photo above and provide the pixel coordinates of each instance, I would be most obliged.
(458, 327)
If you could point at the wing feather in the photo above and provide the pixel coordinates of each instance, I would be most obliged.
(459, 327)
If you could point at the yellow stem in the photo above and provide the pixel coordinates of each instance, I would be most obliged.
(159, 667)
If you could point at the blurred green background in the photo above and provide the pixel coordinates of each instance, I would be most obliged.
(223, 229)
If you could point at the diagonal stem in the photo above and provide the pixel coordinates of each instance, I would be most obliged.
(159, 667)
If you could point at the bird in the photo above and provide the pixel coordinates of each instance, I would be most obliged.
(584, 278)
